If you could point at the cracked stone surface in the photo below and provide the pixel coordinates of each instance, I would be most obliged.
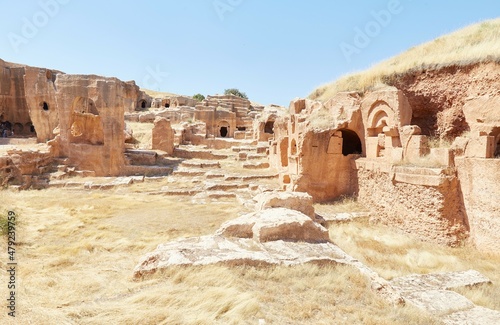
(431, 292)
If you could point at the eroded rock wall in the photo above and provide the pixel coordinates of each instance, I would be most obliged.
(40, 98)
(324, 173)
(428, 206)
(480, 186)
(13, 107)
(438, 97)
(89, 105)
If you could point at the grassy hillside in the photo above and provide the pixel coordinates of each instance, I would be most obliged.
(473, 44)
(158, 94)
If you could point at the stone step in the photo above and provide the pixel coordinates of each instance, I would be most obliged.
(250, 177)
(262, 149)
(244, 149)
(84, 173)
(261, 165)
(177, 192)
(220, 195)
(189, 172)
(112, 182)
(199, 154)
(256, 156)
(148, 171)
(419, 179)
(141, 157)
(212, 175)
(447, 280)
(58, 175)
(224, 186)
(200, 164)
(426, 171)
(18, 141)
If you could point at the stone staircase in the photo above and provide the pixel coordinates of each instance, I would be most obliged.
(197, 171)
(61, 169)
(223, 173)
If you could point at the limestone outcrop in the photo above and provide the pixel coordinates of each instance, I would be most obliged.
(298, 201)
(433, 294)
(275, 224)
(269, 237)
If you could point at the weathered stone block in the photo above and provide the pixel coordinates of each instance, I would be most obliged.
(239, 135)
(396, 155)
(442, 156)
(372, 147)
(392, 142)
(291, 200)
(417, 147)
(163, 135)
(481, 147)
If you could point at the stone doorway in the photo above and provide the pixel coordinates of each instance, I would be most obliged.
(224, 131)
(351, 143)
(269, 127)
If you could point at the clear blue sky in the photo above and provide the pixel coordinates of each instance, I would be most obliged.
(274, 50)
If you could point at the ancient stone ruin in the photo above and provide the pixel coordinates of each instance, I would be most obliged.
(375, 148)
(423, 158)
(384, 147)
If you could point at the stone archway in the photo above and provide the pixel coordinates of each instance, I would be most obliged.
(86, 123)
(84, 105)
(351, 143)
(269, 127)
(17, 129)
(142, 105)
(224, 129)
(29, 127)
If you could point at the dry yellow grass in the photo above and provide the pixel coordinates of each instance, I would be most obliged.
(76, 258)
(158, 94)
(394, 254)
(473, 44)
(343, 204)
(77, 250)
(143, 134)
